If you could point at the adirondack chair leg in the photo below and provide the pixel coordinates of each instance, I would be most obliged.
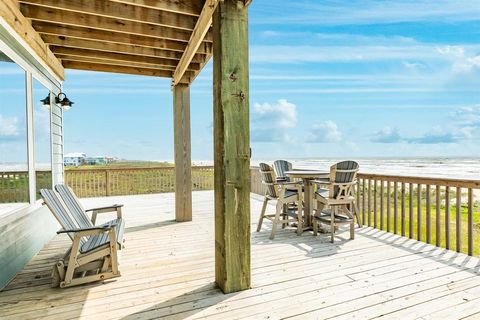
(276, 220)
(262, 214)
(58, 274)
(285, 215)
(72, 262)
(113, 253)
(315, 227)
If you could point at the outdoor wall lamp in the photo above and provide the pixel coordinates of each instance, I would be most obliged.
(60, 99)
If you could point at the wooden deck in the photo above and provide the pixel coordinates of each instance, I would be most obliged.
(168, 272)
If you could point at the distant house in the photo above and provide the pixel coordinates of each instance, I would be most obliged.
(98, 160)
(74, 159)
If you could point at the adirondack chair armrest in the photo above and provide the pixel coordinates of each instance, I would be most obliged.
(112, 208)
(99, 229)
(321, 181)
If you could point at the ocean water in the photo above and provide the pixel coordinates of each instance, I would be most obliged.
(456, 168)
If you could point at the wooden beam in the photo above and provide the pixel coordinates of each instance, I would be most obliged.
(182, 145)
(10, 13)
(103, 23)
(120, 57)
(119, 11)
(90, 66)
(64, 58)
(231, 146)
(201, 28)
(187, 7)
(114, 37)
(60, 41)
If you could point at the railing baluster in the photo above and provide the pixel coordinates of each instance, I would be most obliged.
(382, 195)
(470, 221)
(403, 210)
(388, 206)
(428, 213)
(375, 204)
(369, 202)
(458, 222)
(395, 207)
(437, 216)
(410, 210)
(419, 212)
(363, 203)
(447, 217)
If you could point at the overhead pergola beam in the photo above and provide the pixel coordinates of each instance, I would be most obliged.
(11, 15)
(102, 67)
(122, 11)
(186, 7)
(101, 46)
(204, 23)
(119, 57)
(115, 37)
(69, 18)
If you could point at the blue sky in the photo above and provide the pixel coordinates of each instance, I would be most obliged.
(328, 79)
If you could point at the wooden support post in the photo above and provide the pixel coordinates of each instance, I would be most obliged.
(183, 163)
(232, 146)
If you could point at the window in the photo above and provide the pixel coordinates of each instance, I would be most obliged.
(41, 124)
(14, 182)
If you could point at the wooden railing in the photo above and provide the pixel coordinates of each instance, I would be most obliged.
(437, 211)
(14, 185)
(129, 181)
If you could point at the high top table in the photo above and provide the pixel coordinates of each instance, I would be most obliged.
(307, 176)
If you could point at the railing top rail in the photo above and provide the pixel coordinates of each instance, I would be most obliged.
(131, 168)
(448, 182)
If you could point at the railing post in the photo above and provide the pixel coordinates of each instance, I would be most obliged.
(107, 182)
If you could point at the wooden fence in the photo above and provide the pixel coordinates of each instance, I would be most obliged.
(14, 185)
(437, 211)
(129, 181)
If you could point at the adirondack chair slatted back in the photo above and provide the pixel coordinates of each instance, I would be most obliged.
(73, 205)
(268, 179)
(344, 172)
(58, 209)
(281, 166)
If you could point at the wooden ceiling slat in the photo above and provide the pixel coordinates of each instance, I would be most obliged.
(19, 24)
(186, 7)
(101, 46)
(119, 11)
(102, 67)
(65, 58)
(119, 57)
(114, 37)
(92, 66)
(102, 23)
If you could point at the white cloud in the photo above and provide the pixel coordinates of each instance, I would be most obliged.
(270, 122)
(387, 135)
(324, 132)
(462, 61)
(9, 127)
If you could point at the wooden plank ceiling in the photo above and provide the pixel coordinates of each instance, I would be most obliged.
(163, 38)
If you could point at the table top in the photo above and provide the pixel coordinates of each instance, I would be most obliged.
(308, 174)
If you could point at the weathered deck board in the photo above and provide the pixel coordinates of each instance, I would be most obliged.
(168, 272)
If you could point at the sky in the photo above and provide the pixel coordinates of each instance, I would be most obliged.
(327, 79)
